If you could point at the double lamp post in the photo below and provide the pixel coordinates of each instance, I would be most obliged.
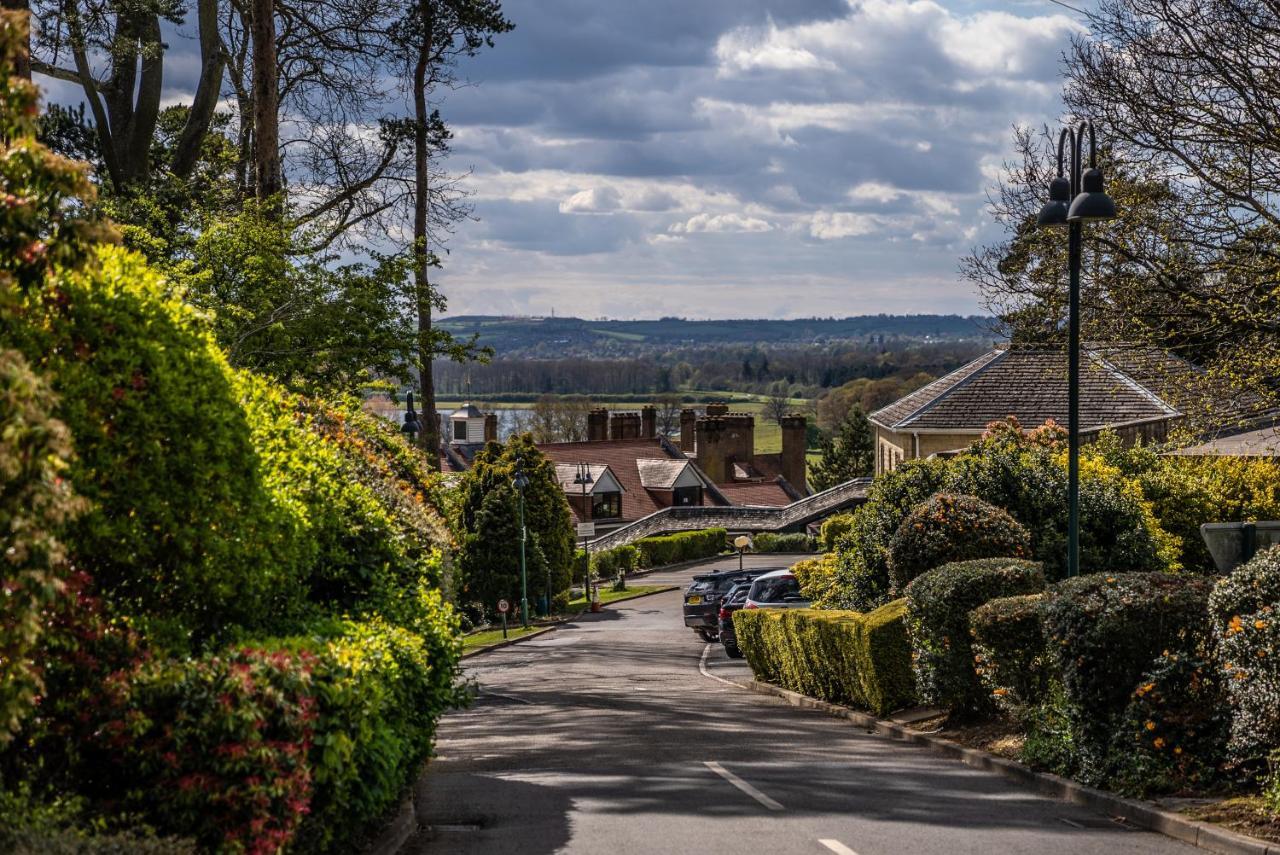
(1082, 191)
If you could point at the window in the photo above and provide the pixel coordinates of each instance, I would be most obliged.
(687, 496)
(460, 430)
(605, 506)
(775, 590)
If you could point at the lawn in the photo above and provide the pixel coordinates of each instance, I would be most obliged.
(481, 639)
(610, 596)
(489, 637)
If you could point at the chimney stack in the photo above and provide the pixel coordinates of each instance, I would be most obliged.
(794, 431)
(688, 419)
(649, 422)
(717, 409)
(711, 458)
(598, 425)
(624, 426)
(739, 442)
(491, 427)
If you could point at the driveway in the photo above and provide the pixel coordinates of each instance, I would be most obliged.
(613, 735)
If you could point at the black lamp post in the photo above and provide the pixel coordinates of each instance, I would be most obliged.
(520, 481)
(1082, 189)
(411, 427)
(583, 478)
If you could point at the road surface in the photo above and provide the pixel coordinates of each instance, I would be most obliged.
(612, 735)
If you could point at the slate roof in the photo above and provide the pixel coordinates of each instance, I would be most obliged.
(1254, 443)
(567, 472)
(470, 411)
(1031, 385)
(660, 474)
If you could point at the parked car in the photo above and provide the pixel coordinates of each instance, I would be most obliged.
(734, 600)
(703, 596)
(775, 590)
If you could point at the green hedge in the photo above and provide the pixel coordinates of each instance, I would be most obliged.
(1104, 633)
(608, 563)
(1009, 653)
(769, 542)
(862, 660)
(684, 546)
(948, 528)
(938, 607)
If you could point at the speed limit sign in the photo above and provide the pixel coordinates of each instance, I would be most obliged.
(504, 606)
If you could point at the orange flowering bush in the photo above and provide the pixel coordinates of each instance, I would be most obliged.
(949, 528)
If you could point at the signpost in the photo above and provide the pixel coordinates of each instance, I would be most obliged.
(503, 608)
(586, 531)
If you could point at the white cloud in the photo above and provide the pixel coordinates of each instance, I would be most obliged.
(597, 200)
(830, 225)
(720, 223)
(874, 191)
(751, 49)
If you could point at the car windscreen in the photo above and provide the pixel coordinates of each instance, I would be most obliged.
(738, 594)
(775, 590)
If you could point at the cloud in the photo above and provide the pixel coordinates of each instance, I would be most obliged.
(720, 224)
(830, 225)
(597, 200)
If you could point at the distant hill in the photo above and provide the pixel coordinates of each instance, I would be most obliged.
(514, 336)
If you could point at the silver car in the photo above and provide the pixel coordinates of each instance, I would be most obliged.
(776, 590)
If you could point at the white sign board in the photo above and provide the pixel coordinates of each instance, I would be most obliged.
(587, 529)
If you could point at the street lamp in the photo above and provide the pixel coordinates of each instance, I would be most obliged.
(583, 477)
(741, 542)
(411, 427)
(1088, 203)
(520, 481)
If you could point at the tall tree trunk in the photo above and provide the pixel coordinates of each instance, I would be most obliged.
(207, 91)
(266, 115)
(21, 62)
(422, 258)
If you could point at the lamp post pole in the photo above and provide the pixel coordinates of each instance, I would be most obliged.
(583, 477)
(411, 427)
(520, 483)
(1083, 189)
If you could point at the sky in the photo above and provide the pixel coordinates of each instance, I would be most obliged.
(740, 158)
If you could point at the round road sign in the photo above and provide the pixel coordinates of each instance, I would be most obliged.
(503, 606)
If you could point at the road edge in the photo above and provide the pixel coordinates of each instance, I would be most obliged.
(1140, 814)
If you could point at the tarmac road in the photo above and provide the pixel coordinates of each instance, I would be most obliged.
(612, 735)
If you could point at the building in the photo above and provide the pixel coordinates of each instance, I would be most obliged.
(1130, 391)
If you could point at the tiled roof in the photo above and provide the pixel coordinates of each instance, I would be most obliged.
(660, 474)
(1030, 385)
(566, 473)
(766, 494)
(1254, 443)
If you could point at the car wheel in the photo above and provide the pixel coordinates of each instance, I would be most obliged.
(733, 651)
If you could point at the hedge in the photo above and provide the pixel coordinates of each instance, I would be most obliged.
(1009, 654)
(608, 563)
(684, 546)
(948, 528)
(769, 542)
(1245, 610)
(938, 607)
(862, 660)
(1104, 633)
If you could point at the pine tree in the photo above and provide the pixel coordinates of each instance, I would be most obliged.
(848, 454)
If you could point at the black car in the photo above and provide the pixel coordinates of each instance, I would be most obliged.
(734, 600)
(703, 596)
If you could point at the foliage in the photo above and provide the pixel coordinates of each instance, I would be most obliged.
(1245, 612)
(1009, 654)
(794, 542)
(949, 528)
(938, 606)
(1271, 786)
(862, 660)
(816, 576)
(850, 453)
(489, 527)
(1103, 633)
(36, 501)
(682, 546)
(833, 530)
(611, 563)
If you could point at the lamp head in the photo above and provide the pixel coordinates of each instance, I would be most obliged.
(1054, 212)
(1092, 204)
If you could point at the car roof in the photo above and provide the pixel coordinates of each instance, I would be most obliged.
(774, 574)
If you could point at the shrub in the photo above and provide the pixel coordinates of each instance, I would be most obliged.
(816, 576)
(608, 563)
(1245, 610)
(768, 542)
(1103, 633)
(949, 528)
(684, 546)
(855, 583)
(833, 530)
(1009, 653)
(938, 606)
(36, 501)
(862, 660)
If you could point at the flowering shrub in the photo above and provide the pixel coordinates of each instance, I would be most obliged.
(214, 748)
(949, 528)
(1103, 632)
(1009, 653)
(938, 607)
(1245, 609)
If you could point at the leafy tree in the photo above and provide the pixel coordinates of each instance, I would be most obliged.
(849, 454)
(488, 520)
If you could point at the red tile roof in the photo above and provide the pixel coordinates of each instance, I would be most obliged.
(769, 494)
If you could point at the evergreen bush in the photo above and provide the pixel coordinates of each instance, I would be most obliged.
(949, 528)
(1009, 654)
(682, 546)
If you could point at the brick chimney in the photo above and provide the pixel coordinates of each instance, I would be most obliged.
(649, 422)
(624, 426)
(491, 427)
(739, 443)
(711, 457)
(717, 409)
(598, 425)
(793, 451)
(688, 420)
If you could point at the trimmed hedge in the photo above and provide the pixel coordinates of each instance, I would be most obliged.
(862, 660)
(1009, 653)
(608, 563)
(938, 606)
(1104, 633)
(769, 542)
(1245, 610)
(683, 546)
(949, 528)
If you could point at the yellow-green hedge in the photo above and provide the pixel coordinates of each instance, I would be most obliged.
(861, 660)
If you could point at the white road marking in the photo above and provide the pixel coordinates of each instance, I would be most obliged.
(742, 785)
(837, 847)
(702, 666)
(1069, 822)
